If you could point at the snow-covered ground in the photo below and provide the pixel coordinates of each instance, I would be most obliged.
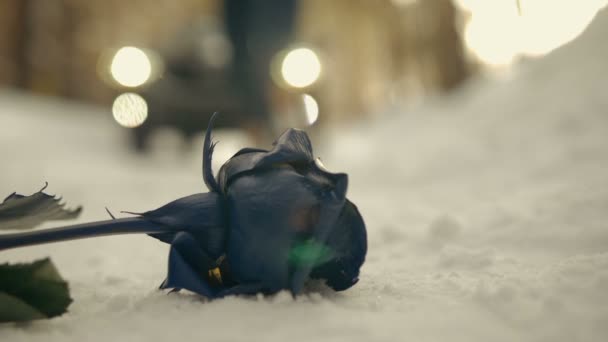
(487, 216)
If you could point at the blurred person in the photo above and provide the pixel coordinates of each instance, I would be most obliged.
(258, 30)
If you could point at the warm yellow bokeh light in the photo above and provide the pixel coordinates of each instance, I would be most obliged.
(311, 108)
(130, 110)
(131, 67)
(490, 34)
(499, 31)
(301, 67)
(548, 24)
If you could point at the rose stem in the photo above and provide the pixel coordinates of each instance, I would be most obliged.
(133, 225)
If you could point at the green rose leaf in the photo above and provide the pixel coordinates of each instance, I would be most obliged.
(31, 291)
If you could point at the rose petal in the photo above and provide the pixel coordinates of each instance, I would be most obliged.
(293, 146)
(262, 206)
(187, 266)
(348, 243)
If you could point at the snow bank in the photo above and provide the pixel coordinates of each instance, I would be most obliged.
(500, 193)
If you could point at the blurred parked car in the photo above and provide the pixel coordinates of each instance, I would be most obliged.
(196, 74)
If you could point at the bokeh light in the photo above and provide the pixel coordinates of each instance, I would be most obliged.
(311, 108)
(131, 67)
(301, 67)
(500, 31)
(130, 110)
(560, 22)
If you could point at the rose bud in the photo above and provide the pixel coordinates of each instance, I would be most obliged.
(271, 221)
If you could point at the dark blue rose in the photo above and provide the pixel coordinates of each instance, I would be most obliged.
(271, 220)
(284, 219)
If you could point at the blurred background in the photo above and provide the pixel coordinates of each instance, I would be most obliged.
(268, 65)
(474, 134)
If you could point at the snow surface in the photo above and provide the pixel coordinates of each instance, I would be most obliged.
(487, 218)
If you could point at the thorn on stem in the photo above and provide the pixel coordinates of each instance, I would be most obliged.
(110, 213)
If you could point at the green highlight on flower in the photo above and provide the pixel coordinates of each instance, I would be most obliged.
(309, 253)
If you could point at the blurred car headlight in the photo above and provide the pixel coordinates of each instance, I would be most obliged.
(311, 109)
(131, 67)
(300, 67)
(130, 110)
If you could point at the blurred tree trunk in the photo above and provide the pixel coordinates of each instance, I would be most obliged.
(434, 49)
(53, 46)
(13, 35)
(382, 53)
(447, 47)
